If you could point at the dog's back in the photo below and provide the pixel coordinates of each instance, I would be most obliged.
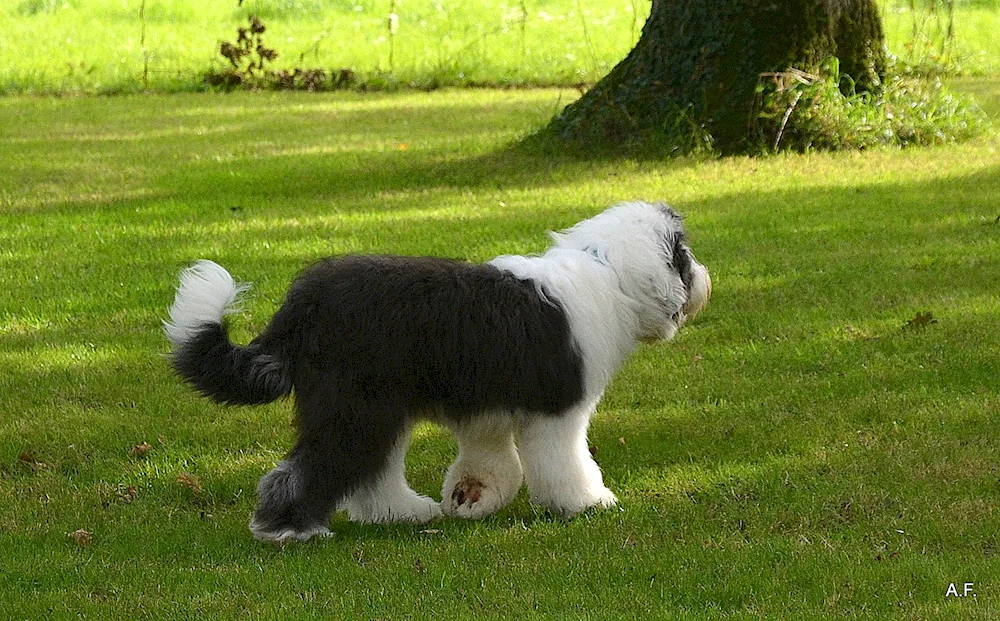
(442, 332)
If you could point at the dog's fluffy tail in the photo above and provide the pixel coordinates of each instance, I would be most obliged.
(203, 354)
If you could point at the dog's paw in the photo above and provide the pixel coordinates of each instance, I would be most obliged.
(606, 499)
(474, 489)
(418, 510)
(473, 499)
(285, 535)
(407, 507)
(570, 506)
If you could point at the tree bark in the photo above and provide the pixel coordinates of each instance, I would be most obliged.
(694, 74)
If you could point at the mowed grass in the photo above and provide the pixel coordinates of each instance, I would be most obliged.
(794, 453)
(115, 46)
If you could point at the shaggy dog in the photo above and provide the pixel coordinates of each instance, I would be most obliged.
(512, 355)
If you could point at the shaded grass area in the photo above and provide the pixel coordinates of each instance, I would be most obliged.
(794, 453)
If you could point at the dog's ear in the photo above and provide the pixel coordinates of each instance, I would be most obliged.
(669, 212)
(681, 258)
(694, 275)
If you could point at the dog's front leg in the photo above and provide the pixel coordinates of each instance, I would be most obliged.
(487, 473)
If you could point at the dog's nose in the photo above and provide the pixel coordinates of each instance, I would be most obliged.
(701, 290)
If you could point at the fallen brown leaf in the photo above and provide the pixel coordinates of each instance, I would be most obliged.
(31, 460)
(189, 481)
(82, 537)
(920, 321)
(128, 494)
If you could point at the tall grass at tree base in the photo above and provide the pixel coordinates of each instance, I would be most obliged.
(802, 111)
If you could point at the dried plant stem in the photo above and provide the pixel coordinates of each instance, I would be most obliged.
(635, 21)
(392, 24)
(949, 36)
(524, 26)
(784, 120)
(586, 38)
(142, 46)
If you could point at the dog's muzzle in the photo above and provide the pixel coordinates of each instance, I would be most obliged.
(698, 295)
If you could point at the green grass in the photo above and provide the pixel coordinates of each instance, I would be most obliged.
(104, 46)
(97, 45)
(795, 453)
(919, 38)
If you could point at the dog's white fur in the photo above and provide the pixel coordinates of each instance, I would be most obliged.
(206, 294)
(390, 498)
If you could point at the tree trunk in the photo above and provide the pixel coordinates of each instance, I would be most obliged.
(693, 76)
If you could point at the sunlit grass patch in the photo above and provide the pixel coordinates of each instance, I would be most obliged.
(112, 46)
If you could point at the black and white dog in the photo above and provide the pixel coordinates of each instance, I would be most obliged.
(512, 355)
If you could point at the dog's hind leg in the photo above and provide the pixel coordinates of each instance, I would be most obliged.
(388, 498)
(346, 442)
(282, 511)
(487, 473)
(558, 467)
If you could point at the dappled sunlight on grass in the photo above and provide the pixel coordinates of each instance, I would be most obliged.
(69, 356)
(58, 196)
(680, 482)
(24, 325)
(80, 134)
(343, 105)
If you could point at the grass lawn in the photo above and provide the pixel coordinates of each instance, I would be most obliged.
(796, 452)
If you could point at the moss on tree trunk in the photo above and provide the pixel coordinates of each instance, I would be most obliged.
(693, 75)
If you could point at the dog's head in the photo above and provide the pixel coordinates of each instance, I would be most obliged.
(644, 244)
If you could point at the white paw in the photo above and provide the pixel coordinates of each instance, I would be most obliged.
(471, 498)
(476, 488)
(419, 509)
(408, 507)
(570, 506)
(606, 499)
(288, 534)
